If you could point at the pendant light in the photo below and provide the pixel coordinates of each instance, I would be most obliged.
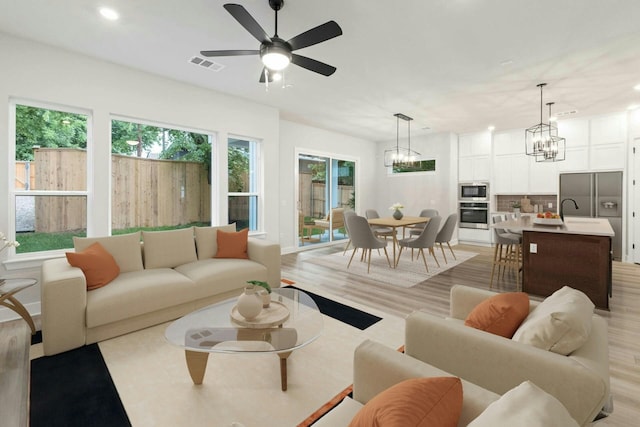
(401, 156)
(538, 135)
(553, 148)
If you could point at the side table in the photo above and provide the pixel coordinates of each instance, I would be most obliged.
(10, 287)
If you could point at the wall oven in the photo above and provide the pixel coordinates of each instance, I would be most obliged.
(474, 215)
(475, 191)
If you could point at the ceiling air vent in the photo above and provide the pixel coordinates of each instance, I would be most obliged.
(566, 113)
(206, 63)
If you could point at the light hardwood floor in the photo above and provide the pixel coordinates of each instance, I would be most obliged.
(433, 296)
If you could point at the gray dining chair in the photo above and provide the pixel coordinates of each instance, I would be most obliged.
(416, 230)
(379, 230)
(446, 233)
(426, 240)
(347, 215)
(362, 237)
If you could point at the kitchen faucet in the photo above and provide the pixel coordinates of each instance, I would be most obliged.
(562, 202)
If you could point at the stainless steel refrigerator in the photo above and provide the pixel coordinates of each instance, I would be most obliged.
(598, 195)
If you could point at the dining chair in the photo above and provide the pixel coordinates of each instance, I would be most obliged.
(506, 254)
(379, 230)
(446, 233)
(347, 215)
(362, 237)
(415, 230)
(425, 240)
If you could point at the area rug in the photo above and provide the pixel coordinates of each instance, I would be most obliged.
(408, 273)
(139, 379)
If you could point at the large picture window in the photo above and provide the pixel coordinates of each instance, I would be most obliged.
(244, 183)
(161, 177)
(48, 196)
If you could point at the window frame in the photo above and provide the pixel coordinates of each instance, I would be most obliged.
(256, 181)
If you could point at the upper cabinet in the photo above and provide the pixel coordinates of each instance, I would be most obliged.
(608, 142)
(474, 163)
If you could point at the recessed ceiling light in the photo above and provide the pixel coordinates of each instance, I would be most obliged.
(491, 128)
(109, 14)
(506, 62)
(637, 87)
(553, 119)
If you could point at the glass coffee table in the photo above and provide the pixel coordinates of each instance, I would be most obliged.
(10, 287)
(213, 330)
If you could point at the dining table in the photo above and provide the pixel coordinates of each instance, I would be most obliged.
(394, 224)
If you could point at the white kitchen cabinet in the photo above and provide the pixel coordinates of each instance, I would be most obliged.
(474, 151)
(475, 236)
(543, 176)
(611, 129)
(511, 142)
(609, 156)
(576, 160)
(511, 174)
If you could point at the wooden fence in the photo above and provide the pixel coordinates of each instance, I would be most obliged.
(145, 192)
(312, 196)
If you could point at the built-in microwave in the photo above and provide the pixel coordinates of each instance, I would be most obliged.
(476, 191)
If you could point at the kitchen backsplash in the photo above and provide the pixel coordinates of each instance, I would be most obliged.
(504, 203)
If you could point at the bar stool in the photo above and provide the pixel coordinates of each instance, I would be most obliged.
(507, 253)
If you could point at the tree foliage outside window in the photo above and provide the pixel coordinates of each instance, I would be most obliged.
(239, 157)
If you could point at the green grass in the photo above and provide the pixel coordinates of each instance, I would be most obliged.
(36, 242)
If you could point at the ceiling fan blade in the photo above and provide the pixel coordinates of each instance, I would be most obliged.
(313, 65)
(247, 21)
(316, 35)
(262, 76)
(228, 52)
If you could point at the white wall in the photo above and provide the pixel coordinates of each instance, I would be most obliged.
(435, 190)
(297, 137)
(34, 71)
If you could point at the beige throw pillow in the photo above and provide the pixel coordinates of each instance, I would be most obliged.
(526, 405)
(125, 249)
(168, 249)
(561, 323)
(207, 239)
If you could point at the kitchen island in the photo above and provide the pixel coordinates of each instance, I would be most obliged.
(576, 253)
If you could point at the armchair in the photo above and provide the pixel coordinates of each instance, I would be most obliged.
(333, 221)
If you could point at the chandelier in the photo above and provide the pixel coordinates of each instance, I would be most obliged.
(542, 140)
(553, 147)
(401, 156)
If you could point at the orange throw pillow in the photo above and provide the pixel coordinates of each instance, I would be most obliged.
(501, 314)
(417, 402)
(232, 244)
(98, 265)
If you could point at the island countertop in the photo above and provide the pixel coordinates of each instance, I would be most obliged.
(572, 225)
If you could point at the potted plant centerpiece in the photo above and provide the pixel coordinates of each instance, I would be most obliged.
(265, 293)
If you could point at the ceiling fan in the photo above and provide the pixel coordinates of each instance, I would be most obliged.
(276, 53)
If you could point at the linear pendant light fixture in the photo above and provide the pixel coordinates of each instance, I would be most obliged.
(401, 156)
(553, 148)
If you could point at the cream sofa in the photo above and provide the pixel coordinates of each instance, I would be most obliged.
(170, 274)
(377, 367)
(580, 381)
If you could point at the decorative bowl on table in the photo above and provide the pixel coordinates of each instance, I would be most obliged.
(548, 221)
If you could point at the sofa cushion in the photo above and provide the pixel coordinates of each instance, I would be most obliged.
(96, 263)
(221, 274)
(423, 402)
(136, 293)
(500, 314)
(233, 244)
(526, 404)
(168, 249)
(561, 323)
(207, 239)
(125, 249)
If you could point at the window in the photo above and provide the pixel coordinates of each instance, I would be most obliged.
(161, 177)
(244, 183)
(49, 195)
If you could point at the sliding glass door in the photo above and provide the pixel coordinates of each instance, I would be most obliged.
(326, 188)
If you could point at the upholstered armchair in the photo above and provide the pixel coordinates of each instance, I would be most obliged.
(333, 221)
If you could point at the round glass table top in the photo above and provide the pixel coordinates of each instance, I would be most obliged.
(11, 286)
(212, 329)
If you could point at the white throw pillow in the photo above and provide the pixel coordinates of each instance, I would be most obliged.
(168, 249)
(526, 405)
(124, 248)
(561, 323)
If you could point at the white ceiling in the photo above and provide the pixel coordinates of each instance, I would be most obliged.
(452, 65)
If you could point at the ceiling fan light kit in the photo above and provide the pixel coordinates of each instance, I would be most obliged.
(276, 53)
